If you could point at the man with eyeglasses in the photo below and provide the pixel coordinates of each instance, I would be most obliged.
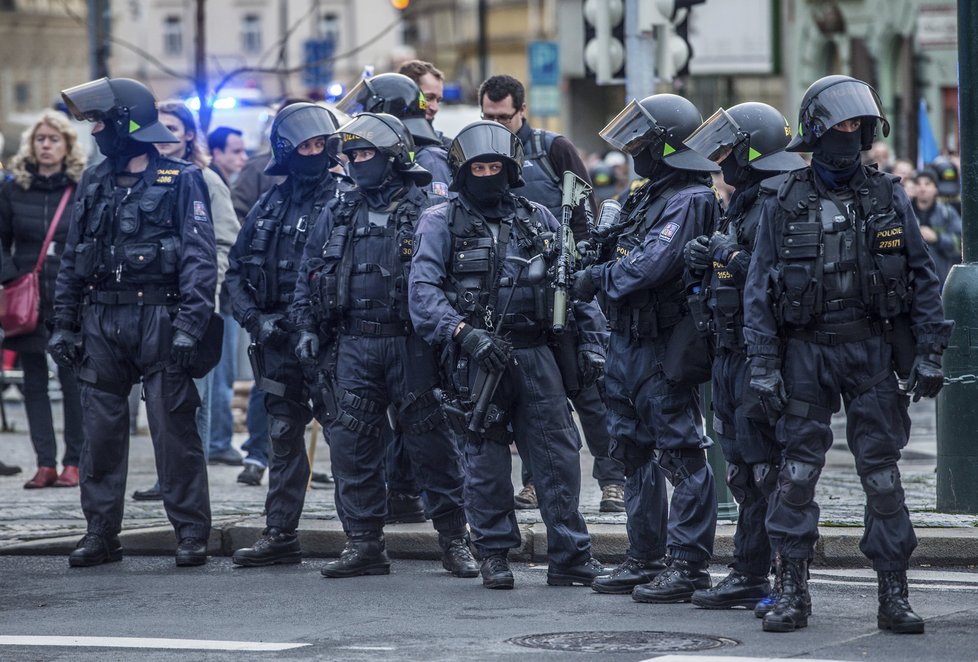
(546, 156)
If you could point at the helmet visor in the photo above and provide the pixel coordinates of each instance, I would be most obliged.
(487, 140)
(715, 138)
(305, 123)
(365, 128)
(845, 100)
(90, 101)
(360, 99)
(632, 130)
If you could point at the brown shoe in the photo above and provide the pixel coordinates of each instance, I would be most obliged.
(44, 477)
(68, 477)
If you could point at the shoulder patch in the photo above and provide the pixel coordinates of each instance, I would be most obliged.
(200, 211)
(668, 232)
(439, 188)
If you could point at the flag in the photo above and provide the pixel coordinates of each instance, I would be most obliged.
(927, 149)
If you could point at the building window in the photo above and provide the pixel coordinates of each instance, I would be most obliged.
(172, 35)
(329, 28)
(22, 95)
(251, 33)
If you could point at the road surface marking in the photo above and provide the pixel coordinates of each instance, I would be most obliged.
(142, 642)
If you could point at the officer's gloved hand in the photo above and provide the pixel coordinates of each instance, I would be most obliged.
(766, 381)
(722, 246)
(307, 349)
(478, 344)
(63, 347)
(926, 377)
(583, 288)
(590, 365)
(268, 331)
(183, 350)
(697, 254)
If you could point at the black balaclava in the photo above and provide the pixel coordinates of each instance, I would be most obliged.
(373, 173)
(488, 193)
(649, 167)
(119, 148)
(835, 158)
(733, 174)
(309, 167)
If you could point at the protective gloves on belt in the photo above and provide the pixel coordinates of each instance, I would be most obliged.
(307, 349)
(766, 381)
(183, 350)
(481, 346)
(926, 377)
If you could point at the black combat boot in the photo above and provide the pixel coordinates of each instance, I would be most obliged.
(495, 571)
(364, 554)
(457, 557)
(738, 589)
(674, 584)
(404, 508)
(274, 546)
(628, 575)
(793, 607)
(767, 604)
(94, 549)
(191, 551)
(895, 612)
(582, 573)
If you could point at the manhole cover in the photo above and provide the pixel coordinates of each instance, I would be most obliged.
(628, 641)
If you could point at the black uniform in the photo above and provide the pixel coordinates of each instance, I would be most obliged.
(139, 263)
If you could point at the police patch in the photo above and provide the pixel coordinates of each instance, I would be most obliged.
(200, 210)
(439, 188)
(668, 232)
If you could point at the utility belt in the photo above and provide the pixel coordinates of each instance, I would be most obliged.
(731, 337)
(146, 296)
(645, 322)
(840, 333)
(362, 327)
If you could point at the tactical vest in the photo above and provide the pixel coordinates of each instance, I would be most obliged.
(364, 273)
(542, 181)
(130, 238)
(644, 313)
(726, 297)
(478, 291)
(840, 260)
(271, 265)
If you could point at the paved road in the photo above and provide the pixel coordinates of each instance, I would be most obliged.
(421, 613)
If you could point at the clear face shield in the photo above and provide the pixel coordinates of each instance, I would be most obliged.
(632, 130)
(360, 99)
(90, 101)
(716, 138)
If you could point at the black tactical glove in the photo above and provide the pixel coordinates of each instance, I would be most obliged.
(583, 288)
(183, 350)
(63, 347)
(697, 254)
(478, 344)
(766, 381)
(307, 349)
(926, 377)
(590, 365)
(267, 330)
(722, 246)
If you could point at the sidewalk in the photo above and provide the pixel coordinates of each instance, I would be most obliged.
(49, 521)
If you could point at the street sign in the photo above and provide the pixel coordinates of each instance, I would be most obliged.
(544, 59)
(317, 72)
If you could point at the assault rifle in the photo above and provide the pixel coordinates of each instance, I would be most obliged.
(573, 190)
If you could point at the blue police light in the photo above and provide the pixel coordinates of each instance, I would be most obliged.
(335, 91)
(225, 103)
(193, 103)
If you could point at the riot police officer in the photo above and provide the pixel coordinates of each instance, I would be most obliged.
(134, 297)
(353, 286)
(261, 279)
(748, 142)
(398, 95)
(467, 292)
(840, 292)
(654, 415)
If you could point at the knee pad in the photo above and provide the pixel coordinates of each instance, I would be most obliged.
(740, 482)
(884, 491)
(797, 482)
(765, 478)
(629, 454)
(281, 433)
(679, 465)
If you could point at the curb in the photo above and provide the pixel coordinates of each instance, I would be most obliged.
(837, 546)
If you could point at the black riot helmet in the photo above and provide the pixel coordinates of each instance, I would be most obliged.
(753, 134)
(660, 123)
(394, 94)
(125, 104)
(948, 180)
(295, 124)
(387, 135)
(835, 99)
(485, 139)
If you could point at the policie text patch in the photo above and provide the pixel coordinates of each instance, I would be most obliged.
(888, 239)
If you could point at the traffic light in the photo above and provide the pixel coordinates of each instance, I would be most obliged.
(604, 40)
(670, 20)
(400, 4)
